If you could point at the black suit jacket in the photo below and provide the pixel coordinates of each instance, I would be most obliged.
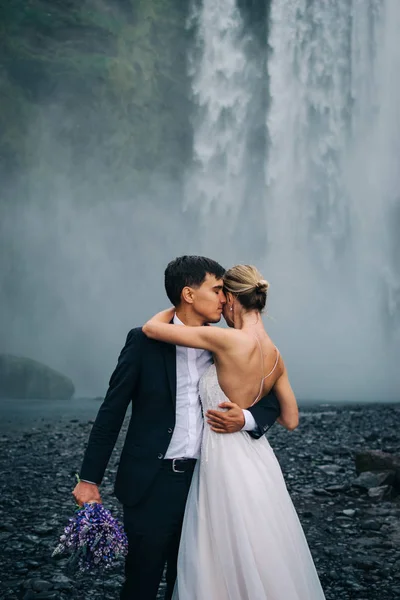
(145, 377)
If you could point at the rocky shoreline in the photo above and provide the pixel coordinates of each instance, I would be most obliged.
(353, 535)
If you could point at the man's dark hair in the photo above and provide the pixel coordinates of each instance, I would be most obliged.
(188, 271)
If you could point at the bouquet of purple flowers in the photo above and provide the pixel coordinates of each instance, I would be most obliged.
(93, 538)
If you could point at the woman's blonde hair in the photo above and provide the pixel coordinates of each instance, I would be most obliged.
(246, 283)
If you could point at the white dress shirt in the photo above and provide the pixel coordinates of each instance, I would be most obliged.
(191, 363)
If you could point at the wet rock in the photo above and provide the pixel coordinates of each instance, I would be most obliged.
(39, 585)
(330, 469)
(354, 539)
(334, 489)
(321, 492)
(365, 562)
(43, 530)
(368, 480)
(376, 460)
(381, 492)
(61, 579)
(370, 525)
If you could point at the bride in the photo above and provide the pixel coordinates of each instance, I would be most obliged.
(241, 537)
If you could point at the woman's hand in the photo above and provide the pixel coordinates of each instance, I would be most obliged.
(165, 316)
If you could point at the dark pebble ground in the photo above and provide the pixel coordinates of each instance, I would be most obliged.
(355, 540)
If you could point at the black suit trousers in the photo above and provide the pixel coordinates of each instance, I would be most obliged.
(153, 527)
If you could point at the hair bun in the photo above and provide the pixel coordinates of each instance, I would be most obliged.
(262, 285)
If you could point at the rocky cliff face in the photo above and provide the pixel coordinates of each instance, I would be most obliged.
(26, 378)
(113, 71)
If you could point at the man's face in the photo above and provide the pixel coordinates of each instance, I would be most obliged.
(209, 299)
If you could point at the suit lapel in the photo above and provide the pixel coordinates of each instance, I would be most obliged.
(169, 352)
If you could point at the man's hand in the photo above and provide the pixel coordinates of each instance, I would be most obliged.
(86, 492)
(226, 422)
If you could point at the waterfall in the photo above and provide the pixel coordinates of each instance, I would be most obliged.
(373, 173)
(221, 87)
(331, 194)
(307, 124)
(333, 190)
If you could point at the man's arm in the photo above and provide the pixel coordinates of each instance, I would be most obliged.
(264, 412)
(110, 417)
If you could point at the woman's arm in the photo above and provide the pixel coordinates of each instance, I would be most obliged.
(213, 339)
(289, 416)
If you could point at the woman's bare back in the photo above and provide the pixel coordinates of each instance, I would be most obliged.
(250, 368)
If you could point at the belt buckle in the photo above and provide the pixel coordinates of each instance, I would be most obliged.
(175, 470)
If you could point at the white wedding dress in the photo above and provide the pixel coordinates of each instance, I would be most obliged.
(241, 537)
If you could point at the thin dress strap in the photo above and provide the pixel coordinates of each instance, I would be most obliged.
(262, 368)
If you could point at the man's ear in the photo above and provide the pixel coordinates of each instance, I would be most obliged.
(187, 295)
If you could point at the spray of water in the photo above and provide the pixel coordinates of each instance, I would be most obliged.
(331, 185)
(222, 81)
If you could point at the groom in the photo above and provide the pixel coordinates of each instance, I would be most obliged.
(163, 440)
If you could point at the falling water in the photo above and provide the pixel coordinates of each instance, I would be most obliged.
(331, 195)
(221, 85)
(308, 124)
(373, 174)
(333, 199)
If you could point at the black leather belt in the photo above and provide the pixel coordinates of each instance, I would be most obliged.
(179, 465)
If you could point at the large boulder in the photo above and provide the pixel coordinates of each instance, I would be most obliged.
(377, 461)
(22, 377)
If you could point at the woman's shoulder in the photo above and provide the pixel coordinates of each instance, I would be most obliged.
(242, 339)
